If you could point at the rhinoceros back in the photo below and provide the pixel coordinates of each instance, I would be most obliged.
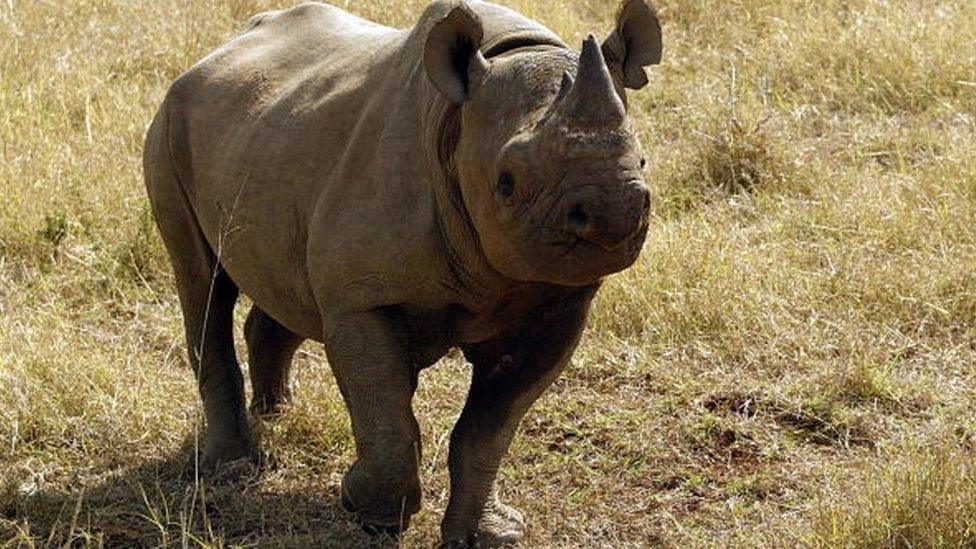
(313, 118)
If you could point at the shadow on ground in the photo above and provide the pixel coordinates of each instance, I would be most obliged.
(160, 503)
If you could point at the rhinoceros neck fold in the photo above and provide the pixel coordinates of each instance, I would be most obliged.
(471, 272)
(506, 33)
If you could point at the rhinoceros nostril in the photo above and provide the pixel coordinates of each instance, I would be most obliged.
(577, 216)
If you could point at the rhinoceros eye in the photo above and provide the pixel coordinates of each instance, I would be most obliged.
(506, 184)
(643, 163)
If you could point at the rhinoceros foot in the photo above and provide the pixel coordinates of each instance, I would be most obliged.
(500, 525)
(269, 409)
(371, 529)
(379, 510)
(223, 456)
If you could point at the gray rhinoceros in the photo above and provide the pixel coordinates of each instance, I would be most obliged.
(466, 182)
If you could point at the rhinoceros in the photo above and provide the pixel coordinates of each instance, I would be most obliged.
(463, 183)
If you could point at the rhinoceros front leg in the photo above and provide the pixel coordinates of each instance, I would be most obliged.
(368, 355)
(510, 373)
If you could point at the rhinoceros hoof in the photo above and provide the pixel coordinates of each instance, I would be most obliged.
(233, 472)
(455, 544)
(378, 530)
(500, 525)
(373, 526)
(228, 460)
(269, 409)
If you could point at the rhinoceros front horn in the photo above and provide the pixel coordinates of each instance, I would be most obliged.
(592, 102)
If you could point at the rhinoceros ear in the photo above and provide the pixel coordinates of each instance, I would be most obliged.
(634, 44)
(454, 63)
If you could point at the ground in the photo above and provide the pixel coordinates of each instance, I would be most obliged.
(790, 362)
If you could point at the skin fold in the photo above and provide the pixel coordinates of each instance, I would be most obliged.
(466, 182)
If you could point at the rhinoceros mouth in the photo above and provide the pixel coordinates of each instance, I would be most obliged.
(561, 257)
(569, 242)
(570, 252)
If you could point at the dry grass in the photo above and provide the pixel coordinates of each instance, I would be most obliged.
(791, 361)
(922, 497)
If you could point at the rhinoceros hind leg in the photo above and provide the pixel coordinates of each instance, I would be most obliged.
(207, 297)
(270, 348)
(228, 438)
(211, 349)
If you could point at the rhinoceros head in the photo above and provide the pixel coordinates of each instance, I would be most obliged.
(549, 168)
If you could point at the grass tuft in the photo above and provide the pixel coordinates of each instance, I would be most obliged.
(922, 495)
(740, 158)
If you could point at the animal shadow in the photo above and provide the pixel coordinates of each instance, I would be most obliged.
(164, 502)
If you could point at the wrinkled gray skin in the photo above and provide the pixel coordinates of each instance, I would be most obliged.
(394, 193)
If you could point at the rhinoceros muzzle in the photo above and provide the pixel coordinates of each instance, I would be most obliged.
(606, 218)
